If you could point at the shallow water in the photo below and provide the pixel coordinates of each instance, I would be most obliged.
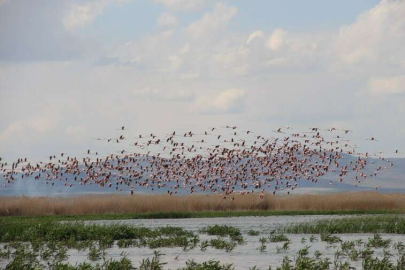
(243, 256)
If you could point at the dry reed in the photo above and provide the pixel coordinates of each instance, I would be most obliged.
(120, 204)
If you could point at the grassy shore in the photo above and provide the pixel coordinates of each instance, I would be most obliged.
(179, 215)
(192, 206)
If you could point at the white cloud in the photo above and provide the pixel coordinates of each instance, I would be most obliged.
(228, 101)
(387, 85)
(166, 20)
(286, 73)
(182, 5)
(232, 60)
(151, 52)
(377, 38)
(81, 14)
(277, 39)
(211, 22)
(256, 34)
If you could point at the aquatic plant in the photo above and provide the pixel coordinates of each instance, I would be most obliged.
(210, 265)
(253, 233)
(313, 238)
(221, 230)
(278, 238)
(370, 263)
(377, 242)
(94, 253)
(330, 239)
(399, 246)
(152, 264)
(285, 247)
(347, 246)
(220, 243)
(361, 224)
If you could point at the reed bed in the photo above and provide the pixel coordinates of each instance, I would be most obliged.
(125, 204)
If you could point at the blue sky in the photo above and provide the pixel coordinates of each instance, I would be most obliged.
(74, 70)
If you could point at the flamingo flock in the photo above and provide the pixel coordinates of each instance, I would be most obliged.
(222, 160)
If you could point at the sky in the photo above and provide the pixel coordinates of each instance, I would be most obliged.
(75, 70)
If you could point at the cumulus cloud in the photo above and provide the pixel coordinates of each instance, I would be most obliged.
(212, 22)
(276, 40)
(182, 5)
(231, 61)
(227, 101)
(387, 85)
(287, 72)
(377, 36)
(151, 52)
(255, 35)
(166, 20)
(81, 14)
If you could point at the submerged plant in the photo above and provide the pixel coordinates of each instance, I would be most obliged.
(210, 265)
(330, 239)
(152, 264)
(378, 242)
(220, 243)
(94, 253)
(285, 247)
(278, 238)
(400, 247)
(253, 233)
(313, 238)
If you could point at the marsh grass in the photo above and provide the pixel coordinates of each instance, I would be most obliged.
(181, 205)
(28, 255)
(378, 242)
(253, 233)
(209, 265)
(330, 239)
(364, 224)
(233, 233)
(278, 238)
(285, 247)
(43, 244)
(54, 235)
(221, 230)
(220, 243)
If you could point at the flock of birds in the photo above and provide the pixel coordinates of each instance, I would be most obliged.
(224, 160)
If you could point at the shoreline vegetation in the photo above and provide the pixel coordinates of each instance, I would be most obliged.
(43, 242)
(33, 245)
(110, 207)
